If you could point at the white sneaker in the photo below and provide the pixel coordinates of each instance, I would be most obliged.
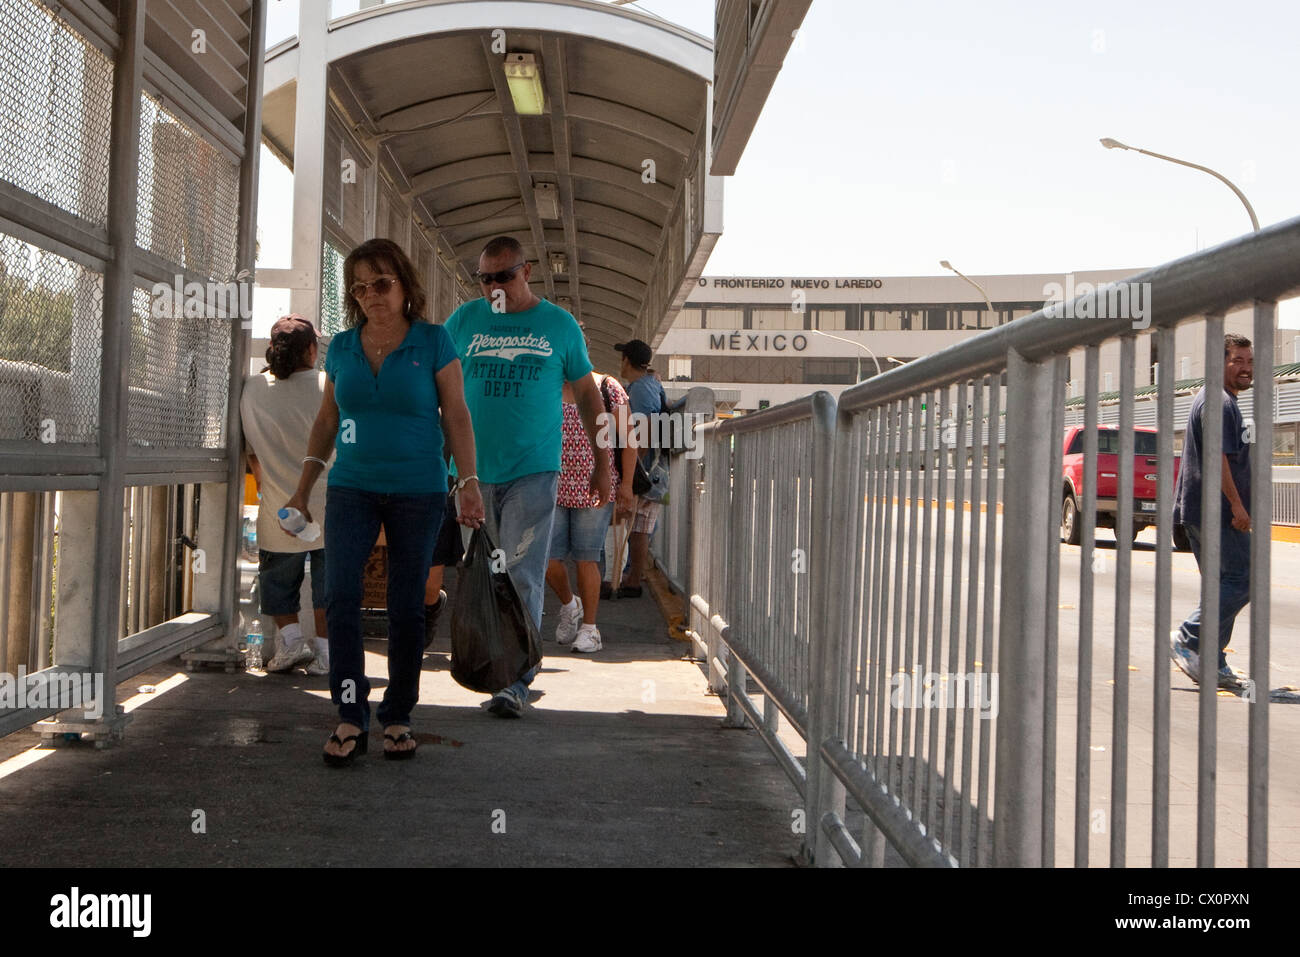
(321, 665)
(286, 659)
(588, 639)
(570, 619)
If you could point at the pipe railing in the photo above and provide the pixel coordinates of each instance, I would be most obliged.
(925, 658)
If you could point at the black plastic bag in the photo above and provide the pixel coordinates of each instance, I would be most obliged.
(494, 642)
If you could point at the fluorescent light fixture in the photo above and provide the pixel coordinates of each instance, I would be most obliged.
(548, 200)
(524, 78)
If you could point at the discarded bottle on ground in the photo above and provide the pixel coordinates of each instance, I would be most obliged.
(254, 646)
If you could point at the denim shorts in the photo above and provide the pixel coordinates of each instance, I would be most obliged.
(579, 533)
(279, 580)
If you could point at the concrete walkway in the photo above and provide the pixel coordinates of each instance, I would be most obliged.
(621, 760)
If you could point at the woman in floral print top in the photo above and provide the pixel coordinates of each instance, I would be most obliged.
(579, 528)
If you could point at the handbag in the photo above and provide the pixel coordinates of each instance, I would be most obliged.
(656, 477)
(641, 479)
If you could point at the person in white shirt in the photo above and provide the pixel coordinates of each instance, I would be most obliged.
(278, 407)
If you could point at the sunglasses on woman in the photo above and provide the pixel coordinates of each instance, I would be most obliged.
(381, 284)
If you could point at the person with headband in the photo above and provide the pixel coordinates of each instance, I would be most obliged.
(393, 390)
(277, 408)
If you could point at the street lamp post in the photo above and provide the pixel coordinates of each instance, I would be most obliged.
(1111, 144)
(988, 302)
(852, 343)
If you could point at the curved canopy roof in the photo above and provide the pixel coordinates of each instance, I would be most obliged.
(605, 187)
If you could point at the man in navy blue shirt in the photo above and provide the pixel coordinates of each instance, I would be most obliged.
(1234, 534)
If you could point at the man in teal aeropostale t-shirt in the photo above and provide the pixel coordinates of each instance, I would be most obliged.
(517, 351)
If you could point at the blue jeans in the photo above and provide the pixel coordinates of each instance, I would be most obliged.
(1234, 585)
(519, 517)
(352, 520)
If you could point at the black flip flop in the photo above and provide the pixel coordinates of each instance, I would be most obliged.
(343, 760)
(404, 755)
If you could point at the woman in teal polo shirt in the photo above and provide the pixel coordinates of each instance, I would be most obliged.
(388, 375)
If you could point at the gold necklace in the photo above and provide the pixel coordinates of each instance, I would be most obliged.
(380, 350)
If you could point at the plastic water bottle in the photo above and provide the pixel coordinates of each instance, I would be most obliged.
(254, 646)
(295, 523)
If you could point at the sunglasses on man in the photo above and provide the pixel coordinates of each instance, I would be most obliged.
(499, 278)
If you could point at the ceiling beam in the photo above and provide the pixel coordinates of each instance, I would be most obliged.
(624, 178)
(461, 171)
(640, 272)
(467, 215)
(632, 121)
(628, 224)
(417, 117)
(615, 247)
(519, 153)
(496, 226)
(557, 91)
(623, 303)
(614, 281)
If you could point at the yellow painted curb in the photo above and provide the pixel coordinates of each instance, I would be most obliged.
(1281, 533)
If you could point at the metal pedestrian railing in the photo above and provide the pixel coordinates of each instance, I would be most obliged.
(901, 608)
(753, 543)
(670, 543)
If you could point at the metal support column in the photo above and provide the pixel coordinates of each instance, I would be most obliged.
(1261, 543)
(1018, 788)
(246, 259)
(826, 672)
(308, 156)
(1208, 646)
(123, 176)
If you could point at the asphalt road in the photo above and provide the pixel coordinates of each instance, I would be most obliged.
(1147, 654)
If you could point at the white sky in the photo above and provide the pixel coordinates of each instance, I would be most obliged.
(899, 134)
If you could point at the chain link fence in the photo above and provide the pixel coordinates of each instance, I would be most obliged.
(189, 195)
(55, 93)
(179, 376)
(50, 316)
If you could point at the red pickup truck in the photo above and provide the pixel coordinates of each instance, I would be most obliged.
(1144, 480)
